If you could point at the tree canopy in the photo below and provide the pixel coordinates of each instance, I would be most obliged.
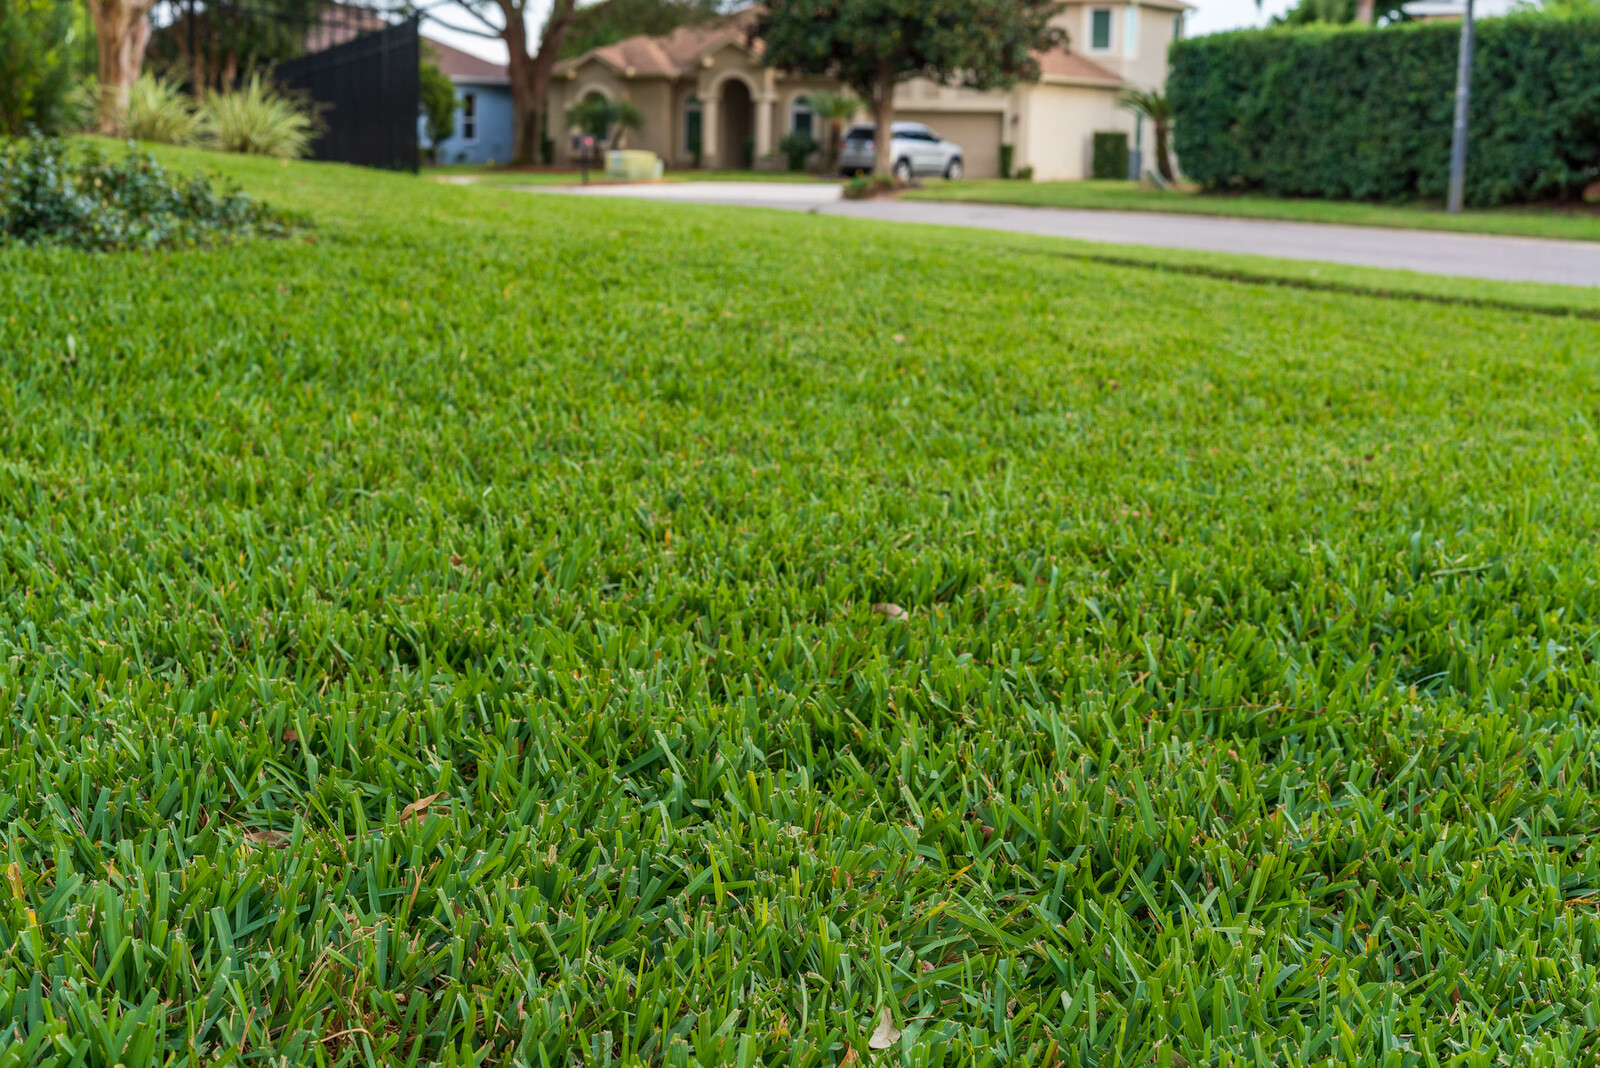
(1307, 12)
(872, 45)
(612, 20)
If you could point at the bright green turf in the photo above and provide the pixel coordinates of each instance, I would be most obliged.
(500, 176)
(1579, 222)
(1245, 710)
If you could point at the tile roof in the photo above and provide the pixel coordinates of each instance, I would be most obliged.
(673, 55)
(1069, 66)
(461, 66)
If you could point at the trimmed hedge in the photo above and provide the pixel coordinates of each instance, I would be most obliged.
(1110, 158)
(1366, 114)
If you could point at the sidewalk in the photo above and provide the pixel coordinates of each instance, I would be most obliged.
(1505, 259)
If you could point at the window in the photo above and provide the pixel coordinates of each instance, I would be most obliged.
(693, 125)
(1100, 29)
(469, 116)
(801, 117)
(1177, 27)
(1130, 32)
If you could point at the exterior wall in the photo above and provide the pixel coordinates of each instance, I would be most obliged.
(1058, 126)
(593, 77)
(679, 154)
(653, 97)
(788, 91)
(494, 128)
(1140, 58)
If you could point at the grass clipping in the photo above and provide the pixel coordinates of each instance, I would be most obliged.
(50, 195)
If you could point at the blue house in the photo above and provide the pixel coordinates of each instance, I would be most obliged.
(483, 107)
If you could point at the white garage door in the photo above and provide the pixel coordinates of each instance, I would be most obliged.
(978, 134)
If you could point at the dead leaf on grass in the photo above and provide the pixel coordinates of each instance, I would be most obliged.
(890, 611)
(887, 1033)
(270, 839)
(415, 810)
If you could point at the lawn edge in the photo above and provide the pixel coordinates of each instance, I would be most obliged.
(1425, 222)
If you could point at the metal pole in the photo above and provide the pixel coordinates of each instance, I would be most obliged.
(1458, 147)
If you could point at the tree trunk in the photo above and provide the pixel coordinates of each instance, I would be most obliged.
(1163, 160)
(883, 113)
(530, 74)
(1366, 12)
(121, 30)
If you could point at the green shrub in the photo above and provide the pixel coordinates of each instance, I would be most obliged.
(258, 121)
(867, 186)
(1364, 114)
(158, 111)
(1008, 156)
(1025, 174)
(438, 100)
(1110, 154)
(49, 195)
(35, 66)
(797, 147)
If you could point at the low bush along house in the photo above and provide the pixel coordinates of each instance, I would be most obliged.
(703, 87)
(483, 108)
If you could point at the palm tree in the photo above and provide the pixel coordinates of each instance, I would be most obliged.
(834, 109)
(624, 117)
(605, 119)
(1152, 104)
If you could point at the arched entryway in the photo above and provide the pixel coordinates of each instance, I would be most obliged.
(738, 125)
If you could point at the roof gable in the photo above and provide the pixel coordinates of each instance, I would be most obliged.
(465, 67)
(673, 55)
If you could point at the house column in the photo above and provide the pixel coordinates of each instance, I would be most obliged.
(765, 103)
(710, 132)
(763, 128)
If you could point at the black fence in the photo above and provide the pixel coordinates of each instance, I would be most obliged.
(354, 63)
(367, 94)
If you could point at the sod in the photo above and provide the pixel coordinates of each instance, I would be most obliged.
(454, 636)
(1575, 222)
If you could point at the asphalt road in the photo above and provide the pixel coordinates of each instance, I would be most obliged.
(1506, 259)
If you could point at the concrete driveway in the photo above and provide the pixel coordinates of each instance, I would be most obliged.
(1505, 259)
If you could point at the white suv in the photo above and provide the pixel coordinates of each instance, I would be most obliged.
(914, 148)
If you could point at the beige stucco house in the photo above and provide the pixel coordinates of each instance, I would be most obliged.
(706, 83)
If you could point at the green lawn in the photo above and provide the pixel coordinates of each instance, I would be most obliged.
(1580, 222)
(454, 637)
(482, 175)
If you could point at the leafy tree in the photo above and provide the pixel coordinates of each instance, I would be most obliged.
(873, 45)
(833, 110)
(610, 21)
(606, 120)
(35, 65)
(438, 103)
(214, 45)
(1153, 105)
(529, 72)
(1308, 12)
(1559, 8)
